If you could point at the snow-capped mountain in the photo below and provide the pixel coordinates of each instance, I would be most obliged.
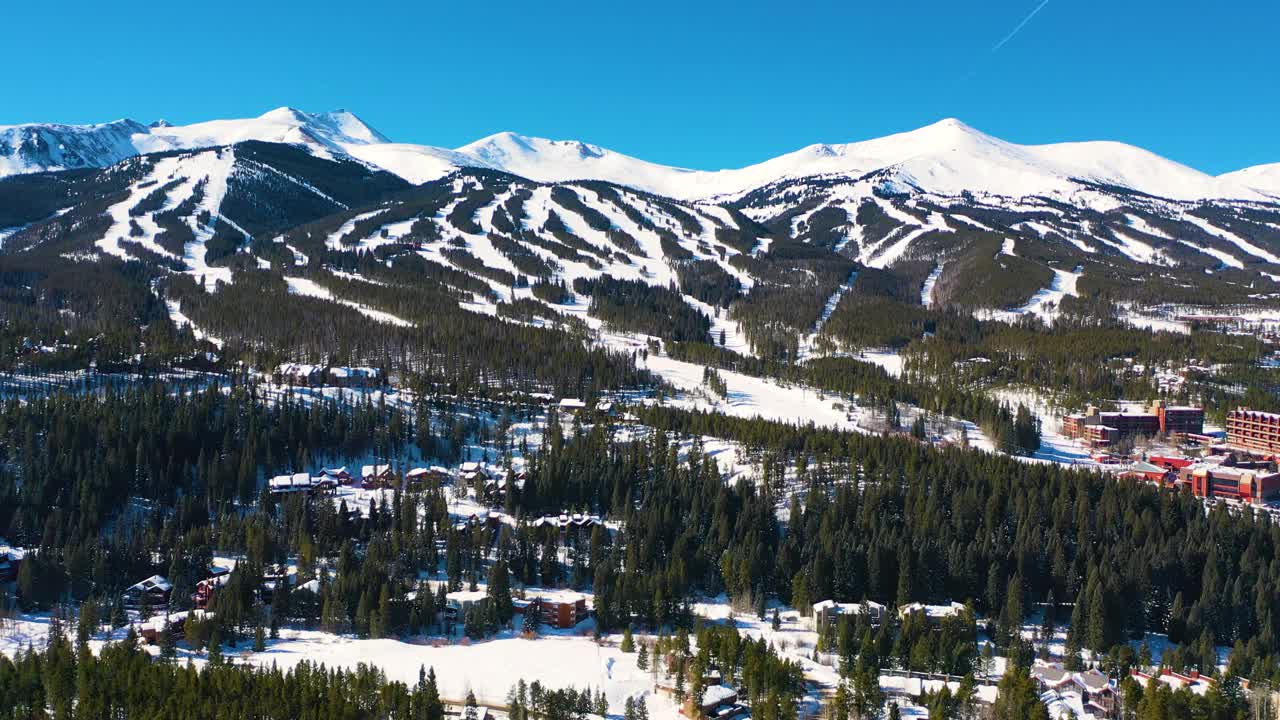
(43, 147)
(40, 147)
(1263, 178)
(946, 158)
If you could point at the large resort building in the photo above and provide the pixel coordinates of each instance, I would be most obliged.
(1253, 430)
(1105, 428)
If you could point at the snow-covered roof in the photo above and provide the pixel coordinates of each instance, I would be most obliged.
(155, 582)
(563, 597)
(572, 404)
(932, 611)
(374, 470)
(717, 694)
(846, 608)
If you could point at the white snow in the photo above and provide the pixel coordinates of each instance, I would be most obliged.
(310, 288)
(1044, 303)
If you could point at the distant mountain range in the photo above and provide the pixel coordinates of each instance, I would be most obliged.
(826, 249)
(945, 158)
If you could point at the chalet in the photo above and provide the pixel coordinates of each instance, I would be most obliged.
(208, 587)
(561, 608)
(828, 611)
(606, 408)
(373, 477)
(472, 472)
(293, 482)
(154, 592)
(338, 475)
(420, 477)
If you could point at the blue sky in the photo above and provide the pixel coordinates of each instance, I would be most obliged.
(699, 84)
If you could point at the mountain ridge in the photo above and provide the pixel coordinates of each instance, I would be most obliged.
(947, 157)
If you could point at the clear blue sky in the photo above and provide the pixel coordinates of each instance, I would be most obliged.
(700, 84)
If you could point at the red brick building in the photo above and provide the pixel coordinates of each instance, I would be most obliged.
(1253, 430)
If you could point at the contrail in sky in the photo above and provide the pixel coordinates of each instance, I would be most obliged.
(1021, 25)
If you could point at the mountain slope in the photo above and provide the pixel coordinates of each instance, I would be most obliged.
(40, 148)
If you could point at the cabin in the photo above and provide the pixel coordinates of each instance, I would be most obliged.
(459, 712)
(152, 593)
(275, 577)
(374, 477)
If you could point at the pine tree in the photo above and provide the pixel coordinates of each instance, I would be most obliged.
(259, 639)
(628, 645)
(642, 658)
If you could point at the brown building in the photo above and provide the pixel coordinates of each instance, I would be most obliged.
(1104, 428)
(562, 609)
(1253, 430)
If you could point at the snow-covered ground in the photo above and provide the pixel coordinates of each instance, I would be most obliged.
(1044, 304)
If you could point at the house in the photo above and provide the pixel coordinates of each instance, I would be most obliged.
(154, 592)
(10, 562)
(1082, 695)
(373, 477)
(472, 473)
(720, 702)
(1195, 682)
(458, 602)
(355, 376)
(339, 475)
(298, 374)
(459, 712)
(571, 406)
(561, 608)
(606, 408)
(421, 477)
(275, 577)
(565, 521)
(208, 587)
(293, 482)
(933, 614)
(828, 611)
(1142, 470)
